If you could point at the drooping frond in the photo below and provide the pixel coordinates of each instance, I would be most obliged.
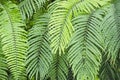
(114, 21)
(94, 34)
(59, 68)
(13, 38)
(109, 31)
(84, 54)
(60, 25)
(39, 55)
(28, 7)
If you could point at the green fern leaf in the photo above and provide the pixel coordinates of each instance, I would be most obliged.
(39, 53)
(60, 24)
(113, 20)
(59, 68)
(84, 54)
(28, 7)
(13, 38)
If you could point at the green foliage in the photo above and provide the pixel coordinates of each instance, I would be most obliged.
(3, 65)
(28, 7)
(60, 24)
(84, 55)
(108, 72)
(13, 38)
(114, 11)
(39, 52)
(62, 40)
(3, 68)
(59, 68)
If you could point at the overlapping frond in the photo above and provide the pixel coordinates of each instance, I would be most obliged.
(87, 31)
(13, 38)
(59, 68)
(60, 24)
(84, 54)
(28, 7)
(111, 33)
(94, 34)
(114, 21)
(39, 55)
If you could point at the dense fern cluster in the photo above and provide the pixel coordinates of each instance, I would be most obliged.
(59, 39)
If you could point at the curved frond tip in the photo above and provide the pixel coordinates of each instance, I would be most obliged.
(28, 7)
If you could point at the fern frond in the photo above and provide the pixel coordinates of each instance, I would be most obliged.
(114, 46)
(60, 24)
(59, 68)
(84, 54)
(28, 7)
(39, 53)
(109, 31)
(13, 38)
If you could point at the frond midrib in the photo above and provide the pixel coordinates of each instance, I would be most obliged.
(13, 34)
